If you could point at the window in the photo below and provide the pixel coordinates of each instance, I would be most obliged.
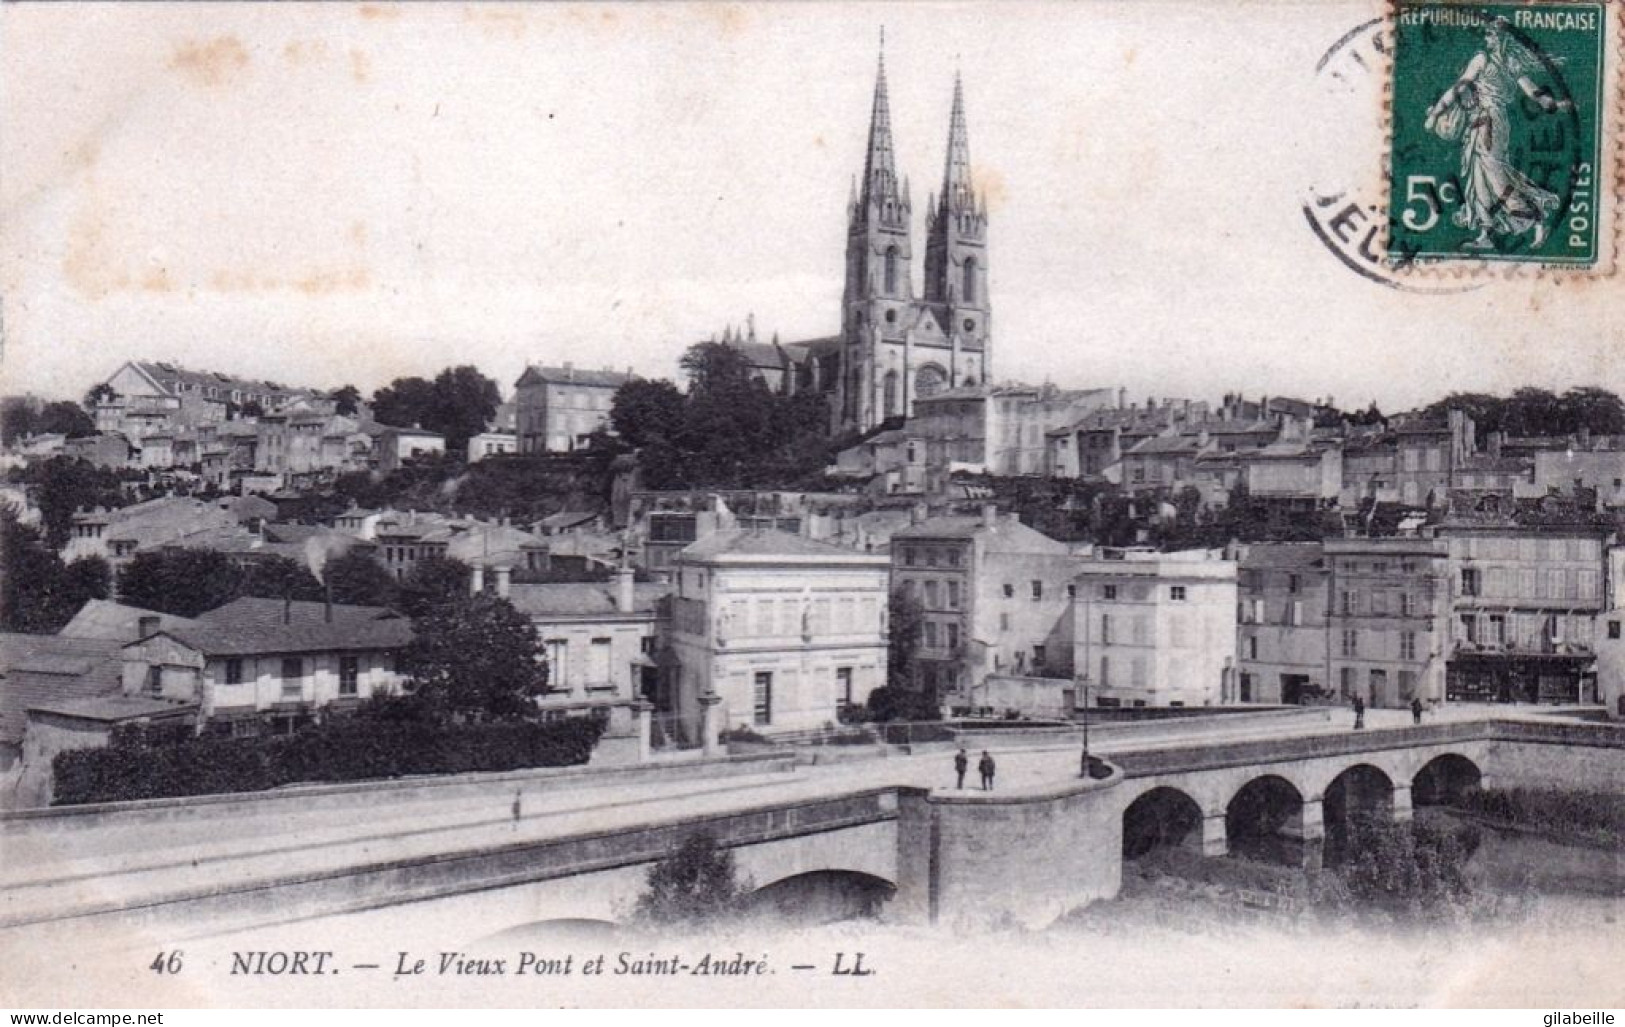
(1038, 590)
(1105, 629)
(1108, 591)
(762, 698)
(1613, 629)
(1004, 621)
(1009, 591)
(234, 671)
(1348, 604)
(953, 595)
(1469, 581)
(1072, 591)
(1407, 605)
(1105, 672)
(1176, 593)
(930, 595)
(558, 665)
(891, 271)
(953, 636)
(931, 557)
(1498, 629)
(155, 680)
(1038, 658)
(293, 673)
(931, 634)
(598, 664)
(1295, 612)
(1407, 645)
(843, 687)
(908, 557)
(969, 291)
(1469, 627)
(1292, 584)
(349, 675)
(1351, 643)
(1252, 647)
(1346, 677)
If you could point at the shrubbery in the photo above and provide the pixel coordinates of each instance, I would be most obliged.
(1408, 869)
(696, 884)
(1593, 817)
(143, 765)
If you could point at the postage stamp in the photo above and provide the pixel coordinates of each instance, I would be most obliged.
(1498, 148)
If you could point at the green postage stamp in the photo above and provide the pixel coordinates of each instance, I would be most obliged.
(1500, 147)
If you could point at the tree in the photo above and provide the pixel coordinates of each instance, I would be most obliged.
(905, 621)
(184, 582)
(696, 884)
(346, 400)
(277, 577)
(458, 404)
(433, 582)
(1414, 868)
(648, 413)
(64, 418)
(98, 394)
(64, 486)
(464, 403)
(475, 657)
(360, 580)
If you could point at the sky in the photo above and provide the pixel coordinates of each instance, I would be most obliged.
(332, 194)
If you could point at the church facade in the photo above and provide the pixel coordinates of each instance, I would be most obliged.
(898, 343)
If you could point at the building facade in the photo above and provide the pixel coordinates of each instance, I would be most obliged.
(557, 408)
(1281, 641)
(1388, 625)
(1155, 629)
(781, 630)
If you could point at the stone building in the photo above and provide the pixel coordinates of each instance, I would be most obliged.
(557, 408)
(1388, 624)
(780, 630)
(1281, 646)
(1155, 629)
(993, 595)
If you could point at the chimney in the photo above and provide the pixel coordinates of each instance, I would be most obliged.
(147, 626)
(625, 593)
(476, 584)
(1122, 398)
(990, 515)
(504, 575)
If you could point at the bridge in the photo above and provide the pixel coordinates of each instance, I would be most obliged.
(871, 833)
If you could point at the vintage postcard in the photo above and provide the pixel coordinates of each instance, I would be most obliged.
(512, 505)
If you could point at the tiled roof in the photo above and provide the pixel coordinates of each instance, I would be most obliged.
(568, 518)
(1165, 444)
(752, 542)
(1005, 535)
(574, 376)
(1287, 555)
(579, 599)
(105, 619)
(113, 708)
(251, 626)
(41, 668)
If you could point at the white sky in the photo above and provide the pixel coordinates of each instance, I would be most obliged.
(329, 194)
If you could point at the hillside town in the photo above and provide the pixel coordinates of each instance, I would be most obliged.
(862, 527)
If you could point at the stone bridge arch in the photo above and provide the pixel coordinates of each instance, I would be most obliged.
(1161, 817)
(1363, 790)
(1444, 778)
(823, 896)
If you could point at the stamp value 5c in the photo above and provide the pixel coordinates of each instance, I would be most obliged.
(1496, 150)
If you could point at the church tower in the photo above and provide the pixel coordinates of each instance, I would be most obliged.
(879, 279)
(896, 346)
(956, 256)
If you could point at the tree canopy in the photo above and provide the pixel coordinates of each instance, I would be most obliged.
(22, 416)
(475, 657)
(184, 582)
(38, 593)
(458, 404)
(730, 430)
(696, 884)
(64, 485)
(1531, 411)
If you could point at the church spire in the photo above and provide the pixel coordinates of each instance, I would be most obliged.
(879, 170)
(958, 194)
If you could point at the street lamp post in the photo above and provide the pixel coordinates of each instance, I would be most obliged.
(1084, 771)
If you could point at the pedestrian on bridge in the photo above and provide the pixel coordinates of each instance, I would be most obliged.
(1416, 711)
(518, 806)
(961, 764)
(986, 766)
(1359, 713)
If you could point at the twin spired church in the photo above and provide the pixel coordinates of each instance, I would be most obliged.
(897, 345)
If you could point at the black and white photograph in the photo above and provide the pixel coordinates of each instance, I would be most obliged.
(511, 506)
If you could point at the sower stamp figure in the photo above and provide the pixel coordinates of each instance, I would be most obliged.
(986, 766)
(1359, 713)
(961, 764)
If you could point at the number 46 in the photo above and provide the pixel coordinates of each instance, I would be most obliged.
(167, 963)
(1429, 193)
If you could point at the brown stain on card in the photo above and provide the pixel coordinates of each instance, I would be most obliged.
(379, 12)
(990, 185)
(210, 63)
(360, 67)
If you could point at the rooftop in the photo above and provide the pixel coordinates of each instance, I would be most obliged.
(582, 599)
(251, 626)
(574, 376)
(769, 543)
(45, 668)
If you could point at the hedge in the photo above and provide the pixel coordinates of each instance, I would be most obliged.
(1593, 816)
(137, 766)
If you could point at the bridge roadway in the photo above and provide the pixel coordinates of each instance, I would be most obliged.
(62, 875)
